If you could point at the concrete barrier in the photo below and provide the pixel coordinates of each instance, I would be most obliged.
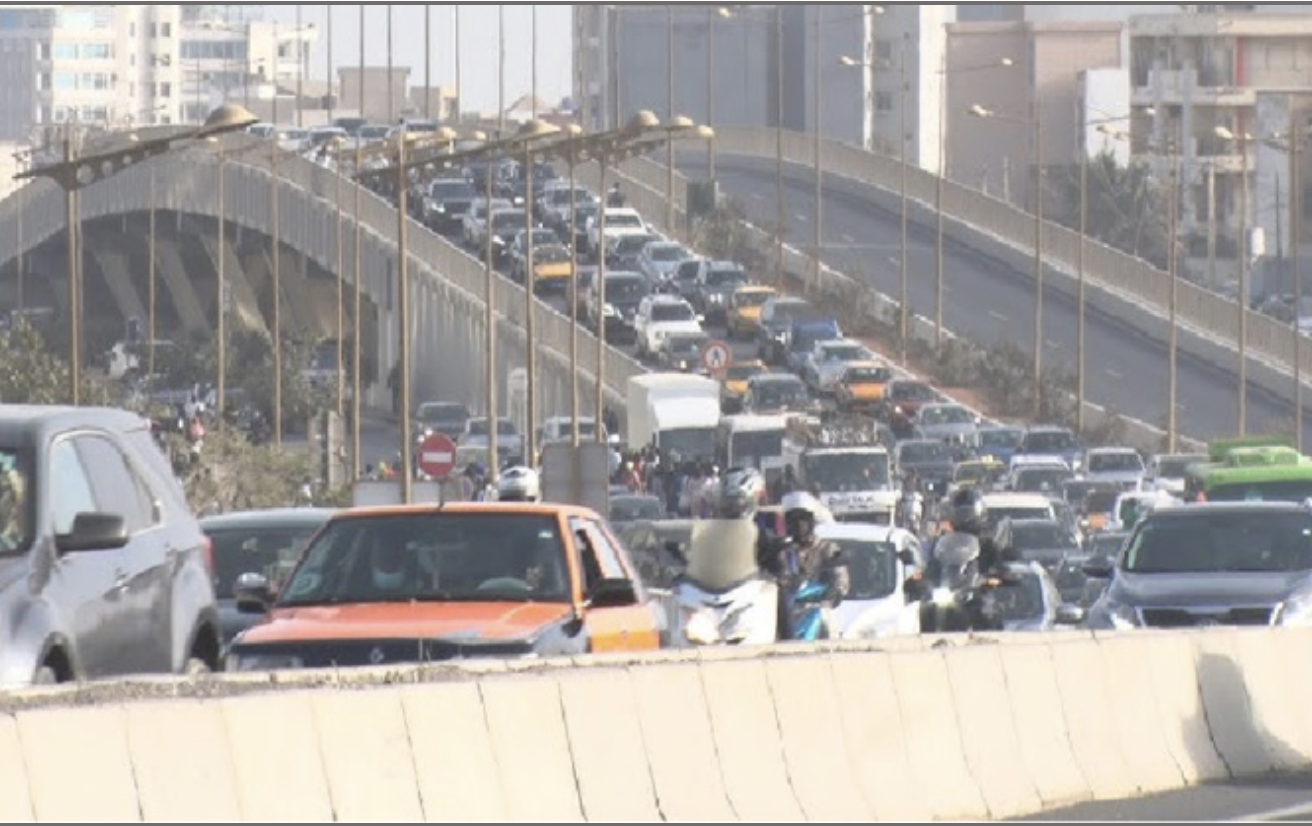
(971, 728)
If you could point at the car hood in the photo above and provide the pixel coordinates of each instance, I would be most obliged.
(938, 430)
(490, 621)
(1204, 590)
(671, 328)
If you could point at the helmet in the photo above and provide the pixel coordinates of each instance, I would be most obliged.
(969, 513)
(519, 484)
(741, 492)
(802, 512)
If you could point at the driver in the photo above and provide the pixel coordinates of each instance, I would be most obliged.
(389, 564)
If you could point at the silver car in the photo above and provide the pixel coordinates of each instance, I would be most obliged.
(947, 423)
(659, 260)
(1119, 466)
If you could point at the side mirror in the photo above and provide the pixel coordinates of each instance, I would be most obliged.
(613, 593)
(94, 532)
(701, 319)
(914, 590)
(906, 557)
(1070, 615)
(1099, 568)
(253, 594)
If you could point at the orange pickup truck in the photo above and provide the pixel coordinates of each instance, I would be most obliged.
(384, 586)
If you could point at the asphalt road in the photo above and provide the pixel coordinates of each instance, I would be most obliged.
(1277, 799)
(985, 302)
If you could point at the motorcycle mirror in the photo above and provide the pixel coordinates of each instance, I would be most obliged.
(906, 557)
(914, 589)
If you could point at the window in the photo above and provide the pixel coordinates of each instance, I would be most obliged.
(94, 81)
(166, 90)
(118, 488)
(97, 51)
(883, 50)
(588, 558)
(64, 51)
(70, 490)
(166, 30)
(95, 114)
(64, 81)
(883, 101)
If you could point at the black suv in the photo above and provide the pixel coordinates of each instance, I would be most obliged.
(103, 569)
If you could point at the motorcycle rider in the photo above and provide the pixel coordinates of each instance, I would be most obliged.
(970, 516)
(912, 506)
(804, 557)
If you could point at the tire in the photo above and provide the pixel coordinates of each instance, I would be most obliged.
(45, 675)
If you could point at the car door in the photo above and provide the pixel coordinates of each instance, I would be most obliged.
(144, 574)
(628, 628)
(83, 586)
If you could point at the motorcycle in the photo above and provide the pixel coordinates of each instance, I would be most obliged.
(912, 507)
(960, 600)
(722, 597)
(810, 624)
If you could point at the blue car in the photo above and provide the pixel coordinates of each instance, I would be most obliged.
(1050, 440)
(1001, 442)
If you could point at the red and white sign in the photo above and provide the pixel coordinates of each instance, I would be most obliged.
(437, 456)
(717, 358)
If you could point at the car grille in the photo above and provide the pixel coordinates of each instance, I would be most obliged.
(364, 653)
(1202, 617)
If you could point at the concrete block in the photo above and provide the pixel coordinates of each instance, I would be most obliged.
(806, 706)
(531, 745)
(876, 739)
(1036, 707)
(1262, 655)
(1183, 720)
(988, 732)
(1086, 701)
(747, 740)
(452, 750)
(1229, 713)
(78, 765)
(1296, 655)
(365, 743)
(182, 762)
(605, 739)
(681, 752)
(929, 716)
(277, 758)
(15, 797)
(1138, 720)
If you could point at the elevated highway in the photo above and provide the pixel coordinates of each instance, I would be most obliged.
(448, 286)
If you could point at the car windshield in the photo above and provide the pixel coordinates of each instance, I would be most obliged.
(448, 190)
(1101, 500)
(1021, 601)
(635, 508)
(433, 557)
(685, 346)
(1107, 544)
(1040, 536)
(1230, 543)
(779, 393)
(750, 446)
(868, 375)
(997, 514)
(630, 244)
(1115, 463)
(268, 550)
(507, 220)
(742, 372)
(946, 415)
(17, 501)
(844, 353)
(723, 278)
(1040, 479)
(872, 567)
(752, 298)
(847, 472)
(923, 452)
(623, 220)
(478, 427)
(666, 253)
(552, 253)
(542, 237)
(443, 413)
(1001, 438)
(1049, 441)
(662, 313)
(625, 288)
(912, 391)
(978, 473)
(1285, 491)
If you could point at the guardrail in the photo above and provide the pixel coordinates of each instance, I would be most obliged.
(914, 729)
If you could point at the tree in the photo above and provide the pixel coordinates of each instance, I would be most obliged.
(31, 371)
(1127, 208)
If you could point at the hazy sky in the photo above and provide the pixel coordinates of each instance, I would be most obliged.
(478, 49)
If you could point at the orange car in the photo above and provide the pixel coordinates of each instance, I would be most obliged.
(383, 586)
(861, 389)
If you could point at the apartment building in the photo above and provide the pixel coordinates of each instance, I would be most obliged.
(766, 65)
(121, 64)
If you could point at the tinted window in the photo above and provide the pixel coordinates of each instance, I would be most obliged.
(1222, 543)
(117, 487)
(70, 490)
(872, 566)
(1040, 536)
(271, 551)
(1021, 601)
(17, 502)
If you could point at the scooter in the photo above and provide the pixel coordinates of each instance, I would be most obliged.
(955, 603)
(810, 624)
(722, 597)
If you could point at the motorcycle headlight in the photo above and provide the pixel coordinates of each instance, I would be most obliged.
(262, 662)
(1297, 610)
(943, 597)
(701, 627)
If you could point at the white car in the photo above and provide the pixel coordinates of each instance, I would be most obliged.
(509, 441)
(1167, 472)
(828, 363)
(620, 221)
(1119, 466)
(879, 560)
(661, 316)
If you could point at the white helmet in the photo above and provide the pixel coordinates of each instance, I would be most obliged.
(803, 501)
(519, 484)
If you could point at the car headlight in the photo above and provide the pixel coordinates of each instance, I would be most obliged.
(611, 312)
(1297, 610)
(263, 662)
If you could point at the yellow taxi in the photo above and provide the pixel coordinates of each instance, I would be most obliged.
(744, 315)
(733, 387)
(861, 389)
(552, 267)
(984, 473)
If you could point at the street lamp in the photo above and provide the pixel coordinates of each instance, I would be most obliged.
(1243, 143)
(76, 172)
(1035, 121)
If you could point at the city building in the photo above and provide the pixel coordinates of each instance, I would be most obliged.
(116, 65)
(766, 65)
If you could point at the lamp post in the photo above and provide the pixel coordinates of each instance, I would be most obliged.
(357, 328)
(1243, 144)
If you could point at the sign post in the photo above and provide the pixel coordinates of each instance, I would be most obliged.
(717, 358)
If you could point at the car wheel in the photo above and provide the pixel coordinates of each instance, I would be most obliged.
(45, 675)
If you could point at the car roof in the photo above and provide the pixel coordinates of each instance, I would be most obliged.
(1126, 450)
(29, 423)
(1203, 509)
(474, 508)
(273, 518)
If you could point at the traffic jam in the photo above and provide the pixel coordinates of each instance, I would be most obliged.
(772, 480)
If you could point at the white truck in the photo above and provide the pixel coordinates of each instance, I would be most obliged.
(676, 412)
(848, 465)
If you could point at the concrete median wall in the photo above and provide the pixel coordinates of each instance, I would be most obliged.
(922, 729)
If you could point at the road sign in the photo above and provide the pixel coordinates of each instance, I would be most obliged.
(717, 357)
(437, 456)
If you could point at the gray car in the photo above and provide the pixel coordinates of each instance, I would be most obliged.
(103, 569)
(947, 423)
(1045, 541)
(1233, 564)
(267, 543)
(929, 459)
(660, 260)
(1031, 601)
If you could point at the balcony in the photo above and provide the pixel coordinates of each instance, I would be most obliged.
(1175, 83)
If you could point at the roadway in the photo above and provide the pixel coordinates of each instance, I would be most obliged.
(985, 301)
(1273, 799)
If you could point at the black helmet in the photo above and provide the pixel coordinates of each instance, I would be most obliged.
(741, 491)
(969, 513)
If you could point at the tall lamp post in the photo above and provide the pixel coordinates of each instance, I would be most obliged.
(1243, 144)
(77, 171)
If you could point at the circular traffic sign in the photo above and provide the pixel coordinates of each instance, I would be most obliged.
(717, 357)
(437, 456)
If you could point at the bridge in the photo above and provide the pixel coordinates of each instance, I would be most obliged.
(315, 243)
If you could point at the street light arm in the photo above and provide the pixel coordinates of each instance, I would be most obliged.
(89, 169)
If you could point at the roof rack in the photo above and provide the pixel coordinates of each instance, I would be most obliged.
(813, 433)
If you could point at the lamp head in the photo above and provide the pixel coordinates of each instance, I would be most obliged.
(644, 120)
(229, 117)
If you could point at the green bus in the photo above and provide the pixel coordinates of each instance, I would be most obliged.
(1253, 474)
